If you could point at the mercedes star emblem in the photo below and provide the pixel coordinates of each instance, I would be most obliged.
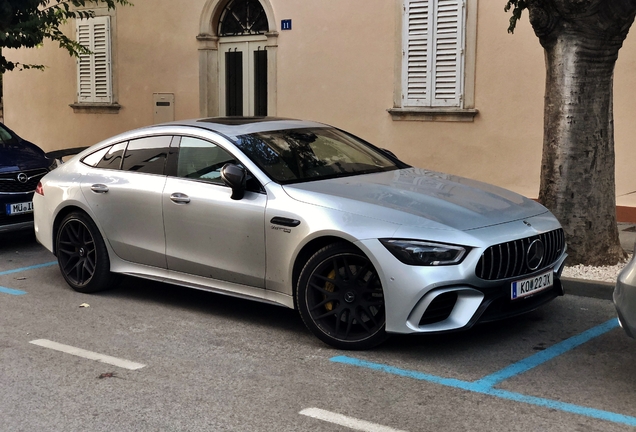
(535, 254)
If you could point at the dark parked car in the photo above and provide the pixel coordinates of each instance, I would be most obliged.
(22, 165)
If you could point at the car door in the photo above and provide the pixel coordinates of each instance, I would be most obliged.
(124, 191)
(208, 233)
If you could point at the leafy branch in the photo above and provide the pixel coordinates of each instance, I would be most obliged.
(517, 7)
(27, 23)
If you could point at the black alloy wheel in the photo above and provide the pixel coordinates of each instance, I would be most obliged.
(82, 254)
(340, 298)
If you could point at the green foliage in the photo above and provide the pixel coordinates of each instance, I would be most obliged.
(517, 7)
(26, 23)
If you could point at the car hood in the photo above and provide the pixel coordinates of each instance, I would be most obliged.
(419, 197)
(22, 156)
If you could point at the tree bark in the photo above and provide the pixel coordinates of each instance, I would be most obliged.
(581, 39)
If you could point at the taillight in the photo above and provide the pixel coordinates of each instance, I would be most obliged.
(39, 190)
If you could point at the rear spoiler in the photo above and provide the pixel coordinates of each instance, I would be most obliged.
(59, 154)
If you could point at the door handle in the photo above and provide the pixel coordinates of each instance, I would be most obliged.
(285, 221)
(99, 188)
(179, 198)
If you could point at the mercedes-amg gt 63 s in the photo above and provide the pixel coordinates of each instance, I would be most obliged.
(303, 215)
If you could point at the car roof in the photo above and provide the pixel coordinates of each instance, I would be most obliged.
(235, 126)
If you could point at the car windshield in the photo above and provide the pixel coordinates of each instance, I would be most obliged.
(6, 138)
(298, 155)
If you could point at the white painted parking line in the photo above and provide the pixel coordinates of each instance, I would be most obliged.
(350, 422)
(126, 364)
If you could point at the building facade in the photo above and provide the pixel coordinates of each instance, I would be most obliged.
(438, 82)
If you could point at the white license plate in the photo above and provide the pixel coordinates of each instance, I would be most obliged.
(19, 208)
(526, 287)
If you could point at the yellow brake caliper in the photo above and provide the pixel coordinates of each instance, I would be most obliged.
(331, 288)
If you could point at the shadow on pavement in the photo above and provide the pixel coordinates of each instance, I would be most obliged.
(11, 240)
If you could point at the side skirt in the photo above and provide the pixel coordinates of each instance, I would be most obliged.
(202, 283)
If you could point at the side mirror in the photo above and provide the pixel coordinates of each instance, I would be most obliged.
(234, 177)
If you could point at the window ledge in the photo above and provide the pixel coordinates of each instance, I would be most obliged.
(433, 114)
(96, 108)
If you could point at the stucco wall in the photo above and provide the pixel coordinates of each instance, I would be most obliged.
(337, 65)
(156, 51)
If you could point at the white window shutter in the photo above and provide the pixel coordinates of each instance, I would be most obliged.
(417, 37)
(448, 63)
(432, 64)
(101, 59)
(94, 82)
(84, 68)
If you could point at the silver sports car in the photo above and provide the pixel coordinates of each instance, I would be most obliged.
(302, 215)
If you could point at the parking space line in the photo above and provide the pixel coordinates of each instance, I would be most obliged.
(486, 385)
(33, 267)
(503, 394)
(11, 291)
(122, 363)
(5, 290)
(546, 355)
(349, 422)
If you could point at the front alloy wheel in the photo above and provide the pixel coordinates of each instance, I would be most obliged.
(340, 298)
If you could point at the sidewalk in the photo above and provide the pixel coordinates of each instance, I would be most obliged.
(597, 289)
(627, 234)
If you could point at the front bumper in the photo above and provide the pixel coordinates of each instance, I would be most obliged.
(459, 307)
(421, 299)
(625, 299)
(18, 222)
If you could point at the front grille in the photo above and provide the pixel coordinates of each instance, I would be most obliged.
(507, 260)
(440, 308)
(9, 181)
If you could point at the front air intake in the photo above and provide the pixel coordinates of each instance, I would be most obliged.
(440, 308)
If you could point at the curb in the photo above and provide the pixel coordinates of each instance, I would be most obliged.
(588, 288)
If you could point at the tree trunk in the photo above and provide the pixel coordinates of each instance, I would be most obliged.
(581, 41)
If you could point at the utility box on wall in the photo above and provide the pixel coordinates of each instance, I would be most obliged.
(163, 104)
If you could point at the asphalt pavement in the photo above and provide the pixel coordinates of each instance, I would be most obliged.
(147, 356)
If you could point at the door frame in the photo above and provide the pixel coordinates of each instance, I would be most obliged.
(249, 44)
(209, 58)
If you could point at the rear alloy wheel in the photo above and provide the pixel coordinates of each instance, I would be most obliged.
(82, 254)
(340, 298)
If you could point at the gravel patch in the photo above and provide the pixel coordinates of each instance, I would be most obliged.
(603, 274)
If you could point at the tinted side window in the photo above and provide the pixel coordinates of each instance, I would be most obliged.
(202, 160)
(147, 155)
(112, 159)
(94, 158)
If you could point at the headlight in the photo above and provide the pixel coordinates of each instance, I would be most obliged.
(423, 253)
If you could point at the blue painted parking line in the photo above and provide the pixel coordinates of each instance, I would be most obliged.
(546, 355)
(11, 291)
(486, 384)
(33, 267)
